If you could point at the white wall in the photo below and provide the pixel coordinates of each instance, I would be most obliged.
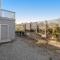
(11, 23)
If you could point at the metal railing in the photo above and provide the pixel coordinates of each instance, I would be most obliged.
(7, 14)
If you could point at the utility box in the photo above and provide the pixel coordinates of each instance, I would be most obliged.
(7, 25)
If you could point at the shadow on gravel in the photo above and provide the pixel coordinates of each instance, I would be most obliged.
(7, 42)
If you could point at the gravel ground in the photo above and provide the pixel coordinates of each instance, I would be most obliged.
(21, 50)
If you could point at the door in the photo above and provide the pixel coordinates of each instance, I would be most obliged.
(4, 32)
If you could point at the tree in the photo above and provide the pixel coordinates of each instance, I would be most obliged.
(56, 32)
(50, 32)
(37, 29)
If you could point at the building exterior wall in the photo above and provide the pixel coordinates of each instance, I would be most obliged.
(11, 24)
(27, 26)
(34, 26)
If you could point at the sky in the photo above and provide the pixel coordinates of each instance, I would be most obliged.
(33, 10)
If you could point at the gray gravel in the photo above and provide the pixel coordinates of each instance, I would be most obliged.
(19, 50)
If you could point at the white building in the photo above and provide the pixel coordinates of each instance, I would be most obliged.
(7, 25)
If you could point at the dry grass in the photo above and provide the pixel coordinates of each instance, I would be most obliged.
(53, 46)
